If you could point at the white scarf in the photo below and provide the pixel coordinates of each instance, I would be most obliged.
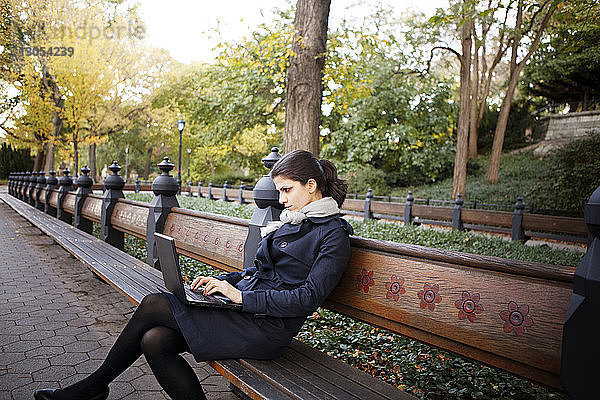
(319, 208)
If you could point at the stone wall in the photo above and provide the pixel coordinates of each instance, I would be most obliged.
(559, 129)
(571, 125)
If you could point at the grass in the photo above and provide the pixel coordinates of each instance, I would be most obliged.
(521, 174)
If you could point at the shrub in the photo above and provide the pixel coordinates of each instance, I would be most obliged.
(367, 177)
(574, 175)
(232, 178)
(519, 119)
(14, 160)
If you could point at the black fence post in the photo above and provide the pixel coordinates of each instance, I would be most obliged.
(113, 185)
(268, 208)
(517, 231)
(25, 190)
(31, 188)
(51, 183)
(165, 189)
(137, 184)
(19, 184)
(368, 214)
(410, 200)
(199, 188)
(10, 178)
(456, 213)
(580, 342)
(210, 196)
(241, 194)
(225, 187)
(12, 184)
(84, 187)
(41, 184)
(66, 185)
(24, 186)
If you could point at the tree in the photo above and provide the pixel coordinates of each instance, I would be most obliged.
(491, 32)
(29, 113)
(530, 19)
(68, 88)
(566, 67)
(379, 112)
(462, 14)
(304, 88)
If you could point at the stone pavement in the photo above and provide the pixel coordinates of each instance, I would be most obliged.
(58, 321)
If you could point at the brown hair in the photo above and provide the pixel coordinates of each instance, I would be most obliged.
(302, 165)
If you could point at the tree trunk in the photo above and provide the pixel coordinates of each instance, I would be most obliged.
(474, 126)
(459, 183)
(304, 87)
(494, 165)
(38, 161)
(75, 171)
(92, 162)
(49, 157)
(148, 163)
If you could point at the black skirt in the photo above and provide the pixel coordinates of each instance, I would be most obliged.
(214, 334)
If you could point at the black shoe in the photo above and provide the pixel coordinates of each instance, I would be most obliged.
(48, 394)
(44, 394)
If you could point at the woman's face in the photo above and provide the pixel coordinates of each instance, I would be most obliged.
(295, 195)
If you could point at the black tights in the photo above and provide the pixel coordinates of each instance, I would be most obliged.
(152, 330)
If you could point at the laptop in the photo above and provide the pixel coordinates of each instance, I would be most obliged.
(169, 261)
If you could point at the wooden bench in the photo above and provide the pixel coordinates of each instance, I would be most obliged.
(505, 313)
(301, 373)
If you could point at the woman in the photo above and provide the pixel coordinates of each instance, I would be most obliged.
(299, 261)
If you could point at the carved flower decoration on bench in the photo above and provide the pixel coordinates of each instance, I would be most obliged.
(516, 318)
(429, 296)
(468, 306)
(395, 288)
(365, 280)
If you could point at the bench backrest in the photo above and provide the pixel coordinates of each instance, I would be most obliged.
(505, 313)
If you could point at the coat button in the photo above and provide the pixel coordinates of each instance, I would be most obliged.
(283, 244)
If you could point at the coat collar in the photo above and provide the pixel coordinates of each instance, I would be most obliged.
(289, 229)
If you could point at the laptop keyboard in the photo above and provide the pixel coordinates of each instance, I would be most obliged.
(196, 296)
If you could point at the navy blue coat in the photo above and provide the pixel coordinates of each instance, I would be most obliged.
(296, 268)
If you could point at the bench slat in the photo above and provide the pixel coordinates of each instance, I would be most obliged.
(273, 374)
(331, 386)
(345, 376)
(247, 381)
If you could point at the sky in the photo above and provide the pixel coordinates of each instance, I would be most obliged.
(183, 26)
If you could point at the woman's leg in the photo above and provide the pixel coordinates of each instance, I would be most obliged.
(154, 311)
(162, 347)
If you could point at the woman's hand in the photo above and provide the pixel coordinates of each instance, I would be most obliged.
(214, 285)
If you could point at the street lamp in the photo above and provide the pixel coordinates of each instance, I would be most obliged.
(126, 161)
(180, 126)
(189, 152)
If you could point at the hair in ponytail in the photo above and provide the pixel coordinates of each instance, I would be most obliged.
(301, 165)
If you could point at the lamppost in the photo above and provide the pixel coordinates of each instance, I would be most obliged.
(180, 126)
(126, 161)
(189, 152)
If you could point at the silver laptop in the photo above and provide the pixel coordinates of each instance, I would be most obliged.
(169, 262)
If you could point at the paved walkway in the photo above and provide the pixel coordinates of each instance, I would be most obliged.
(58, 321)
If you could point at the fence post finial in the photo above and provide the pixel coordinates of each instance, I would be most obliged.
(165, 188)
